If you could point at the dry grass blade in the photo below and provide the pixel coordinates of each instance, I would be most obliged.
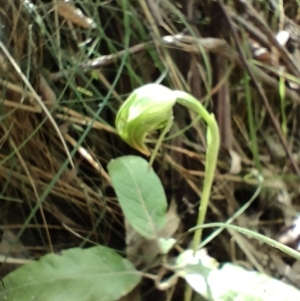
(37, 98)
(261, 93)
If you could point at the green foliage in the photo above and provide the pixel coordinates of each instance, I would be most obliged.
(149, 108)
(234, 283)
(140, 194)
(97, 273)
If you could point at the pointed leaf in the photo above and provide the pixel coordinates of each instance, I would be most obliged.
(93, 274)
(140, 194)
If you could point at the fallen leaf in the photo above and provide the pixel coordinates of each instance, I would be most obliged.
(47, 93)
(69, 11)
(141, 251)
(236, 165)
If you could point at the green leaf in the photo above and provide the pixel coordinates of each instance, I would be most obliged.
(140, 194)
(229, 282)
(234, 283)
(93, 274)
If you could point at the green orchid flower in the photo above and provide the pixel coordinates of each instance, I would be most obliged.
(148, 109)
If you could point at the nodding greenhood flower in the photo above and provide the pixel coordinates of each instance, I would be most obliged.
(147, 109)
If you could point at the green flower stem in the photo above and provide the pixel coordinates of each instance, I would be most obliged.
(160, 140)
(213, 145)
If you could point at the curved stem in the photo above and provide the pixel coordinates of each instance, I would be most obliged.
(210, 167)
(213, 145)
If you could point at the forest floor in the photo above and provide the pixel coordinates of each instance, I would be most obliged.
(68, 66)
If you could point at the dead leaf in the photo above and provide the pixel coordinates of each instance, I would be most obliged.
(173, 221)
(141, 251)
(47, 94)
(260, 53)
(236, 165)
(73, 14)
